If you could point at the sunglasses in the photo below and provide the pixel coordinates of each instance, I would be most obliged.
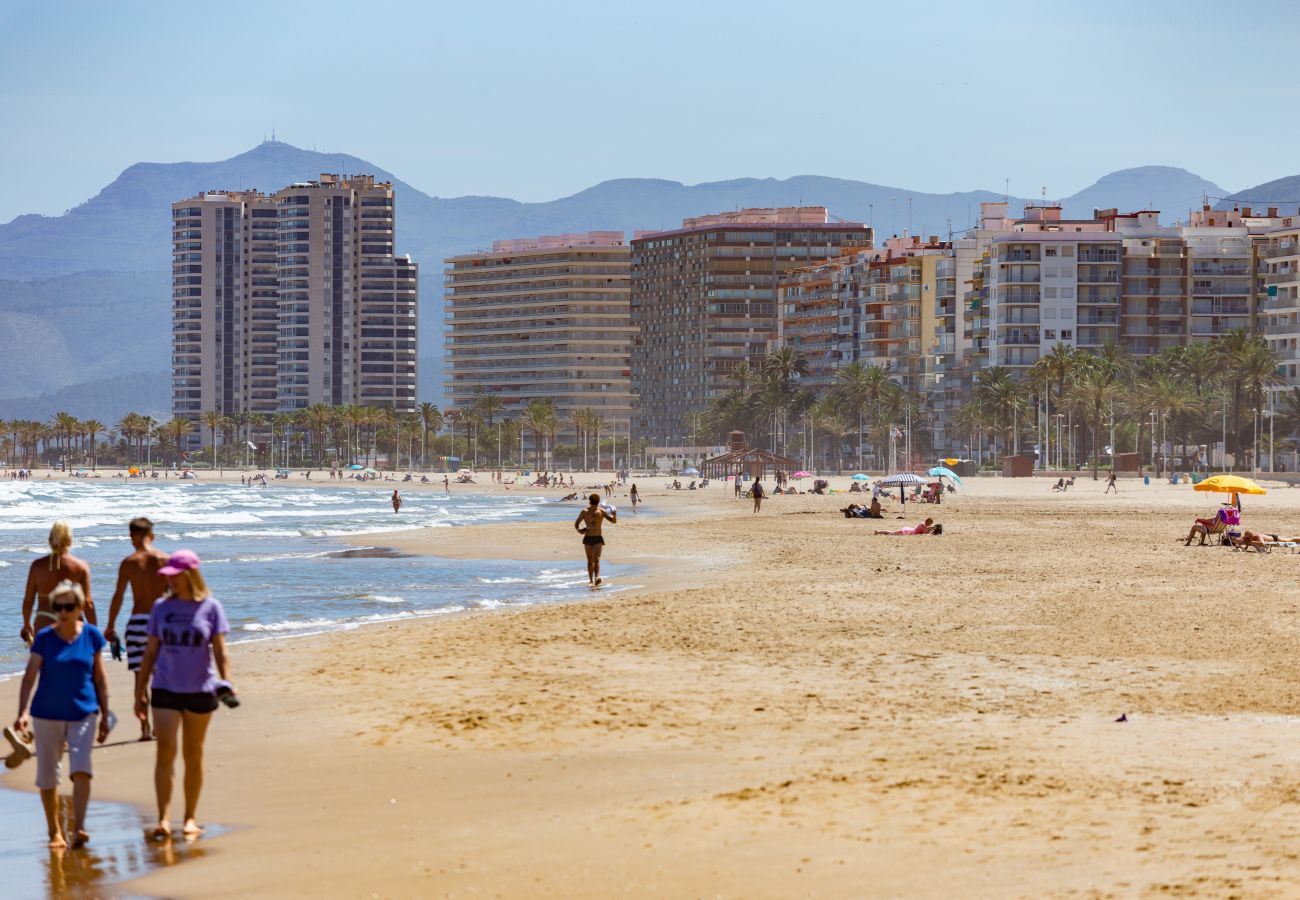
(63, 607)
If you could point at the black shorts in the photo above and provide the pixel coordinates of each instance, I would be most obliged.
(593, 540)
(160, 698)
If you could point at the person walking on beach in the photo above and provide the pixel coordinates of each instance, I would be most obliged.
(187, 634)
(397, 502)
(588, 525)
(140, 571)
(47, 571)
(758, 494)
(1110, 483)
(446, 483)
(634, 496)
(738, 486)
(70, 707)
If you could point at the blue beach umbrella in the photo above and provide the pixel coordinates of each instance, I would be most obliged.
(356, 468)
(861, 477)
(943, 472)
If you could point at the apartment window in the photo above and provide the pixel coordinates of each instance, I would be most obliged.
(1049, 314)
(1049, 293)
(1050, 251)
(1049, 334)
(1067, 293)
(1067, 250)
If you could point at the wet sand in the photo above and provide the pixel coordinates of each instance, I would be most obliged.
(789, 706)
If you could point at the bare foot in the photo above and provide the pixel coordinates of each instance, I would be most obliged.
(80, 839)
(57, 842)
(162, 831)
(192, 828)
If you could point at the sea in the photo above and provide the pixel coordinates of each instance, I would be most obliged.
(275, 557)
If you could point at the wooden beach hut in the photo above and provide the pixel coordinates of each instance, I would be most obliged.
(742, 460)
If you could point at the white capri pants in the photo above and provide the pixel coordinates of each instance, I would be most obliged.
(50, 737)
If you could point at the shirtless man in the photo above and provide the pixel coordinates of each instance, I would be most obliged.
(140, 570)
(46, 572)
(588, 525)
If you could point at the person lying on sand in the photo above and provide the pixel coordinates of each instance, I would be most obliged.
(926, 527)
(1249, 540)
(859, 511)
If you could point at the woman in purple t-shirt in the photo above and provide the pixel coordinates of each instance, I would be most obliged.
(187, 633)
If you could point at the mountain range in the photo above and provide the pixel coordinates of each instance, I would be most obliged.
(84, 296)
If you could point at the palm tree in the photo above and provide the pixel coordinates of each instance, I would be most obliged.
(1000, 399)
(177, 429)
(540, 417)
(1095, 387)
(488, 405)
(741, 375)
(430, 420)
(92, 428)
(854, 386)
(212, 419)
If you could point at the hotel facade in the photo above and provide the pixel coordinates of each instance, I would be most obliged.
(546, 317)
(704, 300)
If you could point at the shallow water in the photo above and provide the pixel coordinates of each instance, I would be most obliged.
(117, 852)
(272, 555)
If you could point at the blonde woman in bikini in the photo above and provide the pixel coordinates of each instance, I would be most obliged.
(46, 572)
(588, 525)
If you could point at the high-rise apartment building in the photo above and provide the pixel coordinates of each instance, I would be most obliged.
(285, 301)
(545, 317)
(225, 309)
(704, 300)
(347, 303)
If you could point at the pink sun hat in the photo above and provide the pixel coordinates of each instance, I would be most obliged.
(180, 561)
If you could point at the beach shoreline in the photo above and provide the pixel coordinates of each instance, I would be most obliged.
(789, 705)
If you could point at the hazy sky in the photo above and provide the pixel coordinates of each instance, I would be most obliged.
(536, 100)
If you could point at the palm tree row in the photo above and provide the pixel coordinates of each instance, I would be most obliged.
(1184, 396)
(862, 401)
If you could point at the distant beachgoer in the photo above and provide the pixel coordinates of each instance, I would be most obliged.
(140, 571)
(588, 524)
(446, 483)
(1110, 484)
(397, 502)
(46, 572)
(757, 493)
(634, 497)
(926, 527)
(187, 634)
(70, 707)
(737, 487)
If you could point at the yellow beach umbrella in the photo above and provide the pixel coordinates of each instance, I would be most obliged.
(1230, 484)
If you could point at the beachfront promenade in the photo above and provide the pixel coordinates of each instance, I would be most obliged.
(788, 706)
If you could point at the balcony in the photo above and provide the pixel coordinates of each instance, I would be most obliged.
(1220, 308)
(1103, 277)
(1016, 337)
(1018, 256)
(1018, 317)
(1098, 256)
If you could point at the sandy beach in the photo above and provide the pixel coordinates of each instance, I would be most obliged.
(787, 706)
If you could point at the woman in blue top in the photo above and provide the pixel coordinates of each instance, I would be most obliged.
(70, 706)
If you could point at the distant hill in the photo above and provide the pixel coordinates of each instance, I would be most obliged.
(1284, 193)
(76, 328)
(1172, 191)
(107, 399)
(85, 296)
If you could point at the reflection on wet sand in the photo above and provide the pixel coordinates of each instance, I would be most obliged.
(118, 850)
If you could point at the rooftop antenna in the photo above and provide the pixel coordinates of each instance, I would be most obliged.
(909, 215)
(1006, 190)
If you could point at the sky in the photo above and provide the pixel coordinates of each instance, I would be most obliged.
(539, 100)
